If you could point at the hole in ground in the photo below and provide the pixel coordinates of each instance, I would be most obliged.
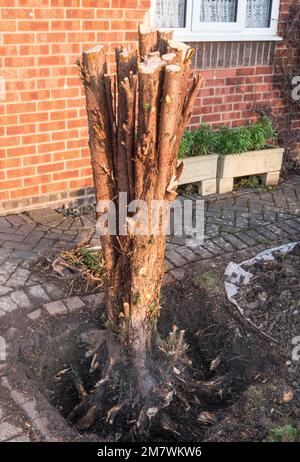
(55, 347)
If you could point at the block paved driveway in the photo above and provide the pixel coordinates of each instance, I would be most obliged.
(237, 226)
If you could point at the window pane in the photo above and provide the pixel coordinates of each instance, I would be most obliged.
(170, 13)
(218, 10)
(258, 13)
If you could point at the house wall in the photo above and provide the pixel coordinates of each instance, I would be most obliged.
(44, 156)
(237, 75)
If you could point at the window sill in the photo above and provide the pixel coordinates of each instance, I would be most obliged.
(193, 37)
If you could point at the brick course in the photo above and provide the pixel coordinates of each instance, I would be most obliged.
(237, 75)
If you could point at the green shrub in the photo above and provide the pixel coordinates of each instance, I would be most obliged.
(270, 132)
(200, 142)
(204, 140)
(233, 141)
(186, 144)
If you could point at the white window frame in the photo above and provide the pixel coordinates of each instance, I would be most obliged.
(213, 31)
(220, 27)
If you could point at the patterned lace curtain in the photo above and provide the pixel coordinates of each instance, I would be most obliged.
(170, 13)
(218, 10)
(258, 13)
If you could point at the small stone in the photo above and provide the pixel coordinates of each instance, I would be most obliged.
(35, 314)
(74, 304)
(21, 299)
(287, 395)
(263, 297)
(57, 308)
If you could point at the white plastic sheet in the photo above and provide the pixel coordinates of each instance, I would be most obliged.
(237, 275)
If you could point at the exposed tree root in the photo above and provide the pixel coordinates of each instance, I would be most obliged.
(212, 388)
(208, 418)
(140, 393)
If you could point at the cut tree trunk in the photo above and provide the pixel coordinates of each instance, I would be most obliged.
(135, 128)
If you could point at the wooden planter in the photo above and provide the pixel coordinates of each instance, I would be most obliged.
(265, 163)
(201, 170)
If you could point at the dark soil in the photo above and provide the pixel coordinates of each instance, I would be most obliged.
(272, 299)
(256, 375)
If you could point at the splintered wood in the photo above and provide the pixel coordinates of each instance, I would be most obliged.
(137, 118)
(136, 121)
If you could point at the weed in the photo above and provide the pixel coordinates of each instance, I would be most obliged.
(247, 182)
(207, 281)
(87, 261)
(137, 299)
(284, 433)
(251, 182)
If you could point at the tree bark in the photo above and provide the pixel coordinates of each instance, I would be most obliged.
(134, 136)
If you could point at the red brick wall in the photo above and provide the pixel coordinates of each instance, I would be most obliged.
(44, 156)
(237, 75)
(289, 124)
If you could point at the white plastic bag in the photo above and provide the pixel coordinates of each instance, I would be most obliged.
(236, 276)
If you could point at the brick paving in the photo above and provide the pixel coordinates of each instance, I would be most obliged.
(242, 221)
(237, 224)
